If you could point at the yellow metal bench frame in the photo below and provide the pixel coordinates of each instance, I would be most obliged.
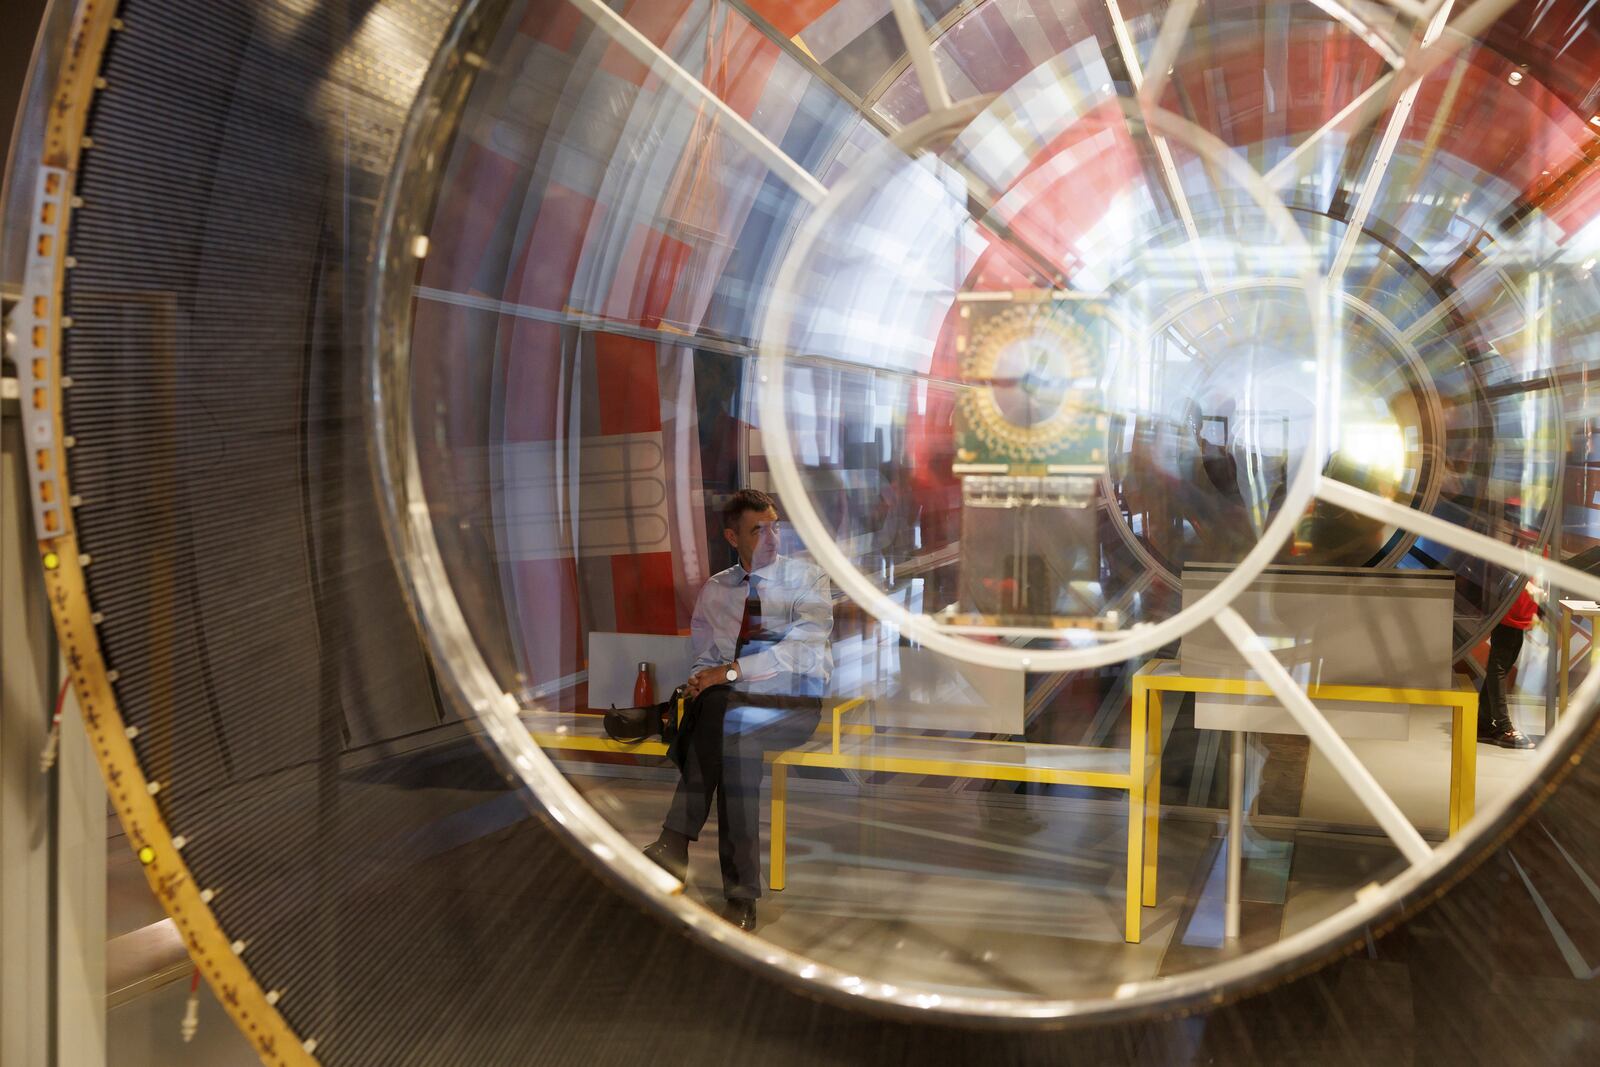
(1462, 699)
(1143, 755)
(1142, 781)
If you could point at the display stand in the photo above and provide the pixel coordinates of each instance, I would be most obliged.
(1162, 676)
(1583, 609)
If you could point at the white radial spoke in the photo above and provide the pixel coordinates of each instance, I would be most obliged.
(1168, 41)
(1357, 220)
(920, 49)
(1517, 560)
(1325, 737)
(664, 66)
(1169, 169)
(1375, 99)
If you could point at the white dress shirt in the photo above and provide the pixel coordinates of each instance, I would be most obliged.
(792, 657)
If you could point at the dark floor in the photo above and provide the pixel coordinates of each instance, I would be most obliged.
(506, 950)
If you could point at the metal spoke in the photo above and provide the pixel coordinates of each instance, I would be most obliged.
(1375, 99)
(645, 51)
(920, 50)
(1322, 734)
(1518, 560)
(1357, 219)
(1168, 41)
(1169, 169)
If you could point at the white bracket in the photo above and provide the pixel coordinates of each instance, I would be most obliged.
(36, 352)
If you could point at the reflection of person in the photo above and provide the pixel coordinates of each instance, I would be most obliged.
(1505, 645)
(761, 665)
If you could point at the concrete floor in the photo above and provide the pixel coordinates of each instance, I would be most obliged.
(1001, 895)
(942, 886)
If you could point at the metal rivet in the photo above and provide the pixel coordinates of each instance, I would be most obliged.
(113, 674)
(179, 841)
(272, 996)
(238, 948)
(131, 732)
(207, 895)
(153, 788)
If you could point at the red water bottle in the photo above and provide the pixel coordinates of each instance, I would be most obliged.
(643, 692)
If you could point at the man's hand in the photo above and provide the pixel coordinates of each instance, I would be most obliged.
(706, 678)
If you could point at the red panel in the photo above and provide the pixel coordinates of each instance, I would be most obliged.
(645, 294)
(546, 267)
(552, 22)
(532, 402)
(656, 19)
(789, 17)
(630, 393)
(645, 597)
(547, 609)
(468, 217)
(748, 63)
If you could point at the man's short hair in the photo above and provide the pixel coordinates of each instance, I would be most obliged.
(742, 501)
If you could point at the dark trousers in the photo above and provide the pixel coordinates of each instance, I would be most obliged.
(1505, 645)
(722, 758)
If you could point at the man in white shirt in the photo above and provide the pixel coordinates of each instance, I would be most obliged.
(761, 665)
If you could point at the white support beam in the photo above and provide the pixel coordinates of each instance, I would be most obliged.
(1169, 169)
(1176, 23)
(667, 69)
(920, 49)
(1374, 100)
(1322, 734)
(1520, 561)
(1357, 220)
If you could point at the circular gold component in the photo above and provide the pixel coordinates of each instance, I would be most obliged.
(1026, 372)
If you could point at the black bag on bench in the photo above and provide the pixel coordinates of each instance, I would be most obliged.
(632, 725)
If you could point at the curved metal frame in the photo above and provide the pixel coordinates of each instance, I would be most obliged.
(217, 955)
(645, 883)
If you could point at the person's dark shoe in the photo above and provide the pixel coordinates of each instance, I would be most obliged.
(741, 913)
(1507, 737)
(671, 856)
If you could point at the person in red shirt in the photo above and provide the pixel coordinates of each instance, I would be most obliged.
(1505, 645)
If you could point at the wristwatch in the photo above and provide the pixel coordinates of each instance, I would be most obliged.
(732, 675)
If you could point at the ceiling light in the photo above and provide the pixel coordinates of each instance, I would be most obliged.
(1588, 264)
(1594, 120)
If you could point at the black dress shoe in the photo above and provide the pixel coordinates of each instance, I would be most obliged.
(1507, 737)
(742, 913)
(669, 859)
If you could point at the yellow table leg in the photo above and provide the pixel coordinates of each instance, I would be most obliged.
(780, 817)
(1136, 759)
(1564, 635)
(1463, 761)
(1152, 808)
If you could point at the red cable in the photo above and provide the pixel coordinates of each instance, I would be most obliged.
(61, 700)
